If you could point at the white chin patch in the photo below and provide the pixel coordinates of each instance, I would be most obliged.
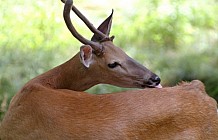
(158, 86)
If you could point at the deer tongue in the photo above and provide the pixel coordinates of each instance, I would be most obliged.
(158, 86)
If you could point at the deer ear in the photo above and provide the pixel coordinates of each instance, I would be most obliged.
(86, 55)
(105, 28)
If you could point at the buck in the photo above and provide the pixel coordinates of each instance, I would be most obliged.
(53, 106)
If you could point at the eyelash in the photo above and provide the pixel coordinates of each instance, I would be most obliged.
(113, 65)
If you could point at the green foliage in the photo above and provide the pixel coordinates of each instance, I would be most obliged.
(175, 39)
(189, 66)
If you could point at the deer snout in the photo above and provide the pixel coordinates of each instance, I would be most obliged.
(154, 81)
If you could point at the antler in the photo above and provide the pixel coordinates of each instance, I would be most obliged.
(68, 6)
(86, 21)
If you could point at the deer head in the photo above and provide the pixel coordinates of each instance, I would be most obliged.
(101, 56)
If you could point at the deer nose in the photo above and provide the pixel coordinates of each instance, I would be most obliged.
(154, 80)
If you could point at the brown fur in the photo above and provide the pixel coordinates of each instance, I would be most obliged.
(183, 112)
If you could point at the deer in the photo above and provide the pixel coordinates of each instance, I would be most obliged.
(54, 106)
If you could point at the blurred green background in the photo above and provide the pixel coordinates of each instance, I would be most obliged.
(176, 39)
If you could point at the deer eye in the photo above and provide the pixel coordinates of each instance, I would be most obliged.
(113, 65)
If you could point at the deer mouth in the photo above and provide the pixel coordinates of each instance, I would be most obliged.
(151, 86)
(159, 86)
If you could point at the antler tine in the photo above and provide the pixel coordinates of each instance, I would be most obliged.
(87, 22)
(67, 8)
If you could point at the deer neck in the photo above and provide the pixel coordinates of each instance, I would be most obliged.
(70, 75)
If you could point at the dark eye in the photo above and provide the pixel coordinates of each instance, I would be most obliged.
(113, 65)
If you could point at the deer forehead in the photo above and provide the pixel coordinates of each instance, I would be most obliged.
(114, 53)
